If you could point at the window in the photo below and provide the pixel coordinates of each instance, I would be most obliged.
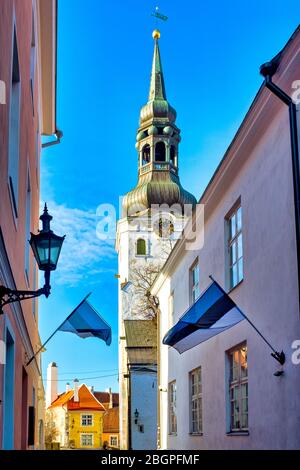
(14, 128)
(160, 152)
(113, 441)
(86, 420)
(172, 154)
(194, 282)
(171, 310)
(27, 229)
(9, 393)
(146, 154)
(164, 227)
(34, 285)
(238, 389)
(172, 408)
(86, 439)
(32, 59)
(196, 401)
(141, 247)
(235, 247)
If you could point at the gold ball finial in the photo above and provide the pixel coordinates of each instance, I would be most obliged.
(156, 34)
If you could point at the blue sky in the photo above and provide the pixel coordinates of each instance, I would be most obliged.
(211, 53)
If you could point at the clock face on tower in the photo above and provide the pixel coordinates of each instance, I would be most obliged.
(163, 227)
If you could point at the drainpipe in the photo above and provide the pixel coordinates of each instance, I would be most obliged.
(267, 70)
(58, 135)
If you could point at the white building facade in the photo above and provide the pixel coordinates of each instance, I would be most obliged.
(223, 394)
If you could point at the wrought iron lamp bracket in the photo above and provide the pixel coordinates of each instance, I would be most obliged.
(8, 296)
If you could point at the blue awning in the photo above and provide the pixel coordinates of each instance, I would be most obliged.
(213, 313)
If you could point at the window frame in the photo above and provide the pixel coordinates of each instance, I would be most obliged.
(113, 436)
(27, 227)
(194, 286)
(172, 407)
(232, 243)
(171, 310)
(173, 155)
(237, 384)
(197, 397)
(159, 147)
(144, 153)
(86, 416)
(84, 435)
(136, 247)
(32, 58)
(14, 126)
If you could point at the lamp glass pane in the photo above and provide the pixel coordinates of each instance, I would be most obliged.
(55, 250)
(43, 251)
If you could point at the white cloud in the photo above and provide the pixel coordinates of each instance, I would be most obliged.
(84, 256)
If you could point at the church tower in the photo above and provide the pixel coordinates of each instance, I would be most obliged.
(151, 222)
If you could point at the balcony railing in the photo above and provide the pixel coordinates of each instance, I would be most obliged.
(157, 166)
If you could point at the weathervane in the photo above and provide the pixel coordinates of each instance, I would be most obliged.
(159, 15)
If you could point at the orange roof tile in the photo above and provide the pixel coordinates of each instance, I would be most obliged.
(62, 399)
(111, 420)
(87, 400)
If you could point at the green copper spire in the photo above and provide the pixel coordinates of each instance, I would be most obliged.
(157, 84)
(157, 107)
(157, 143)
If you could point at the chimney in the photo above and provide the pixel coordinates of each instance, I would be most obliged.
(51, 386)
(92, 388)
(76, 396)
(111, 404)
(67, 387)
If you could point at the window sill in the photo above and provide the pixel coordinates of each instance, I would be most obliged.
(234, 287)
(237, 433)
(173, 434)
(196, 433)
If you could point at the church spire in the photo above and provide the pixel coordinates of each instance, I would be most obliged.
(157, 108)
(157, 144)
(157, 84)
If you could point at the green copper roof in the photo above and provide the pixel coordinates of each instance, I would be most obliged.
(157, 84)
(157, 106)
(159, 183)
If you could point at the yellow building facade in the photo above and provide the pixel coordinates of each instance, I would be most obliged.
(85, 429)
(75, 420)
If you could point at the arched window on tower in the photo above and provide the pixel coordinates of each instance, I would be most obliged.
(160, 152)
(146, 154)
(173, 155)
(141, 247)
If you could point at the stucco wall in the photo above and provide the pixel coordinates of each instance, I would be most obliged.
(144, 400)
(76, 429)
(268, 295)
(22, 321)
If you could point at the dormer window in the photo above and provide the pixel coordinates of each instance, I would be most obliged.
(160, 152)
(146, 154)
(141, 247)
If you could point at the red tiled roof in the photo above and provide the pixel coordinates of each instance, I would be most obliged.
(103, 397)
(87, 400)
(111, 420)
(62, 399)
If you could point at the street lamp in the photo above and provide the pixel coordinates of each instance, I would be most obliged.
(136, 416)
(46, 247)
